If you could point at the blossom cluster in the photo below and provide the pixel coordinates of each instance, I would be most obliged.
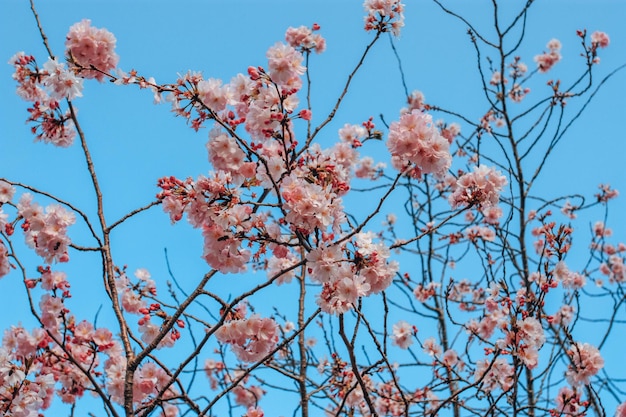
(417, 147)
(344, 279)
(480, 188)
(45, 88)
(304, 39)
(384, 15)
(251, 339)
(46, 232)
(91, 50)
(586, 361)
(546, 60)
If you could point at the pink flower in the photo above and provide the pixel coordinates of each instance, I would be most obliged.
(600, 39)
(491, 375)
(248, 396)
(402, 335)
(251, 339)
(304, 39)
(568, 402)
(417, 146)
(621, 410)
(46, 233)
(432, 348)
(5, 265)
(213, 94)
(481, 187)
(285, 64)
(546, 60)
(7, 191)
(384, 15)
(254, 412)
(60, 82)
(586, 361)
(90, 47)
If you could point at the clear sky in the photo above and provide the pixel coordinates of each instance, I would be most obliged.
(135, 142)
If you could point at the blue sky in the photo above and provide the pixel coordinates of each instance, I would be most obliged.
(135, 142)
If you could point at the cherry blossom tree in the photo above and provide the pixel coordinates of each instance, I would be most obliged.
(480, 294)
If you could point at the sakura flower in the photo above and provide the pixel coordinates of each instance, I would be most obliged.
(46, 233)
(586, 362)
(402, 335)
(417, 146)
(7, 191)
(481, 187)
(60, 82)
(303, 38)
(384, 15)
(285, 63)
(5, 265)
(432, 348)
(213, 94)
(568, 402)
(600, 39)
(248, 396)
(547, 60)
(254, 412)
(498, 374)
(90, 47)
(251, 339)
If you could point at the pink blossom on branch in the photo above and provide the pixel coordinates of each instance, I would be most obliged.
(384, 15)
(402, 335)
(417, 147)
(600, 39)
(60, 82)
(547, 60)
(305, 39)
(586, 362)
(89, 47)
(481, 188)
(46, 232)
(251, 339)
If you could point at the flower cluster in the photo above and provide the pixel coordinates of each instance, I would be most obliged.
(304, 39)
(46, 232)
(251, 339)
(45, 88)
(480, 188)
(546, 60)
(417, 147)
(365, 271)
(92, 50)
(586, 361)
(402, 335)
(212, 206)
(493, 374)
(384, 15)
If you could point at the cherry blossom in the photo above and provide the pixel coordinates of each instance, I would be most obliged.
(251, 339)
(417, 147)
(92, 49)
(384, 15)
(547, 60)
(586, 362)
(493, 374)
(285, 64)
(46, 232)
(403, 334)
(480, 187)
(60, 82)
(600, 39)
(304, 39)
